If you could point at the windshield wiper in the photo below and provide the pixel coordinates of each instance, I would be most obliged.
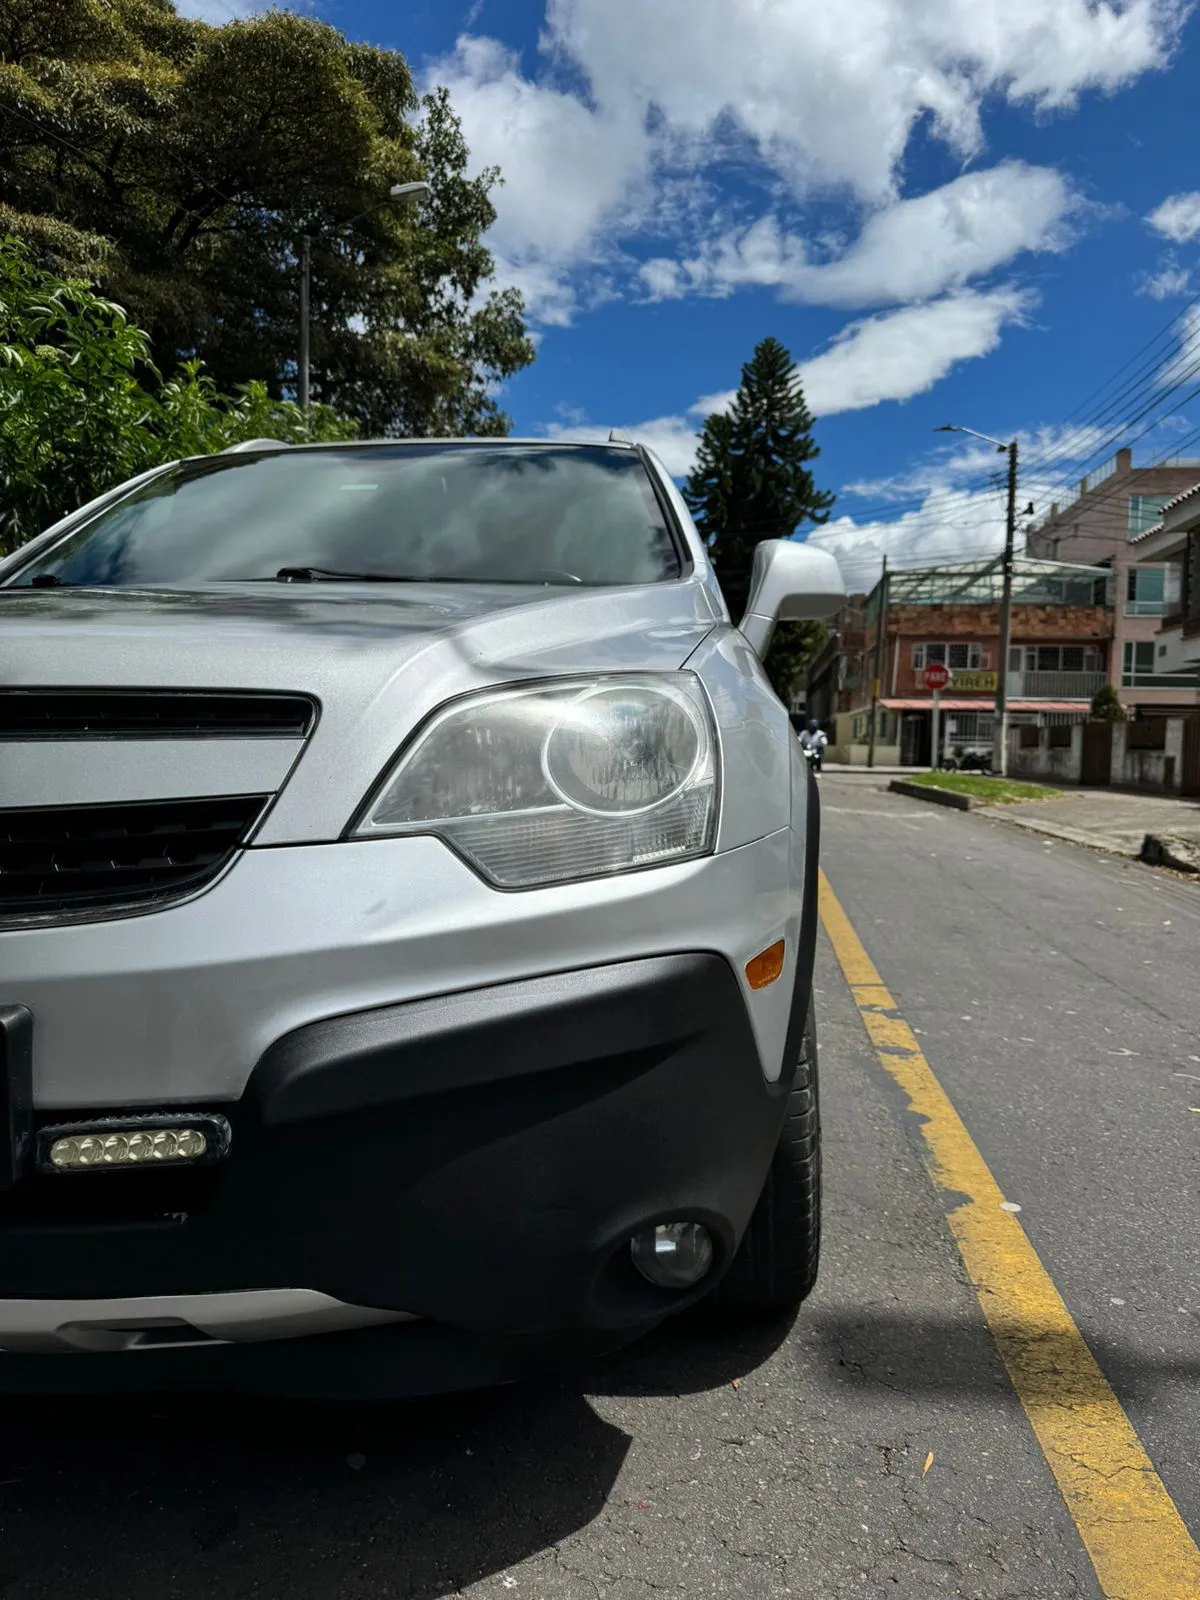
(315, 574)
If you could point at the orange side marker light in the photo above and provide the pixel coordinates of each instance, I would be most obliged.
(767, 966)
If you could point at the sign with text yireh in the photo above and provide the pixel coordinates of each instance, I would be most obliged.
(982, 681)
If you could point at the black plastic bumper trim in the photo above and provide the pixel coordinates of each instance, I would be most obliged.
(16, 1091)
(482, 1036)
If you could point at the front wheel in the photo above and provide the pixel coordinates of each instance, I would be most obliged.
(776, 1266)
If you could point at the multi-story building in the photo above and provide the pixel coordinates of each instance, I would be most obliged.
(1114, 506)
(950, 615)
(835, 674)
(1172, 546)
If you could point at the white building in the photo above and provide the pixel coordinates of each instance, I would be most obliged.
(1174, 543)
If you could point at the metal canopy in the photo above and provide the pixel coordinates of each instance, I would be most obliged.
(1035, 583)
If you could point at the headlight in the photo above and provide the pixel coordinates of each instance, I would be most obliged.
(565, 780)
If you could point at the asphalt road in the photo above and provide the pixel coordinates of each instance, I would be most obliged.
(1054, 994)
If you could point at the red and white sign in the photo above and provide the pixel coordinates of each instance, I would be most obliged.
(935, 676)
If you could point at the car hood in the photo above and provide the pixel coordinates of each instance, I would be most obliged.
(377, 659)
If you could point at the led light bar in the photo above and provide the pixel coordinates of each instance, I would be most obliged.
(190, 1140)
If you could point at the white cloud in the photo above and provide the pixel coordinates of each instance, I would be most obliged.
(911, 250)
(906, 352)
(1183, 365)
(619, 134)
(1168, 282)
(888, 357)
(565, 167)
(967, 459)
(830, 94)
(551, 299)
(673, 439)
(944, 527)
(1178, 218)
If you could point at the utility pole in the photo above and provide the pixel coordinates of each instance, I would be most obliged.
(1010, 530)
(305, 284)
(876, 665)
(1000, 721)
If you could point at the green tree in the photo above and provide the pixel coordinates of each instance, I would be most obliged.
(752, 482)
(82, 407)
(180, 164)
(1106, 705)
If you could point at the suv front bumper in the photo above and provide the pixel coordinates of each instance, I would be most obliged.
(477, 1162)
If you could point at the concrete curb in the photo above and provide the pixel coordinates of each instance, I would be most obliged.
(1161, 850)
(939, 797)
(1059, 830)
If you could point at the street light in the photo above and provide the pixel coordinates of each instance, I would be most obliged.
(1010, 528)
(404, 194)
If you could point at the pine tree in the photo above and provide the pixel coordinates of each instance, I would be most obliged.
(752, 482)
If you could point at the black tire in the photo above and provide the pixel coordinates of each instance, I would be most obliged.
(776, 1265)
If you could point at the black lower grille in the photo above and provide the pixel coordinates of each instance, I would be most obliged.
(69, 859)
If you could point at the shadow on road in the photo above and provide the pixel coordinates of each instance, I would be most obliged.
(920, 1355)
(187, 1498)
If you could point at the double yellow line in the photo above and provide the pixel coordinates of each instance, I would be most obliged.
(1138, 1543)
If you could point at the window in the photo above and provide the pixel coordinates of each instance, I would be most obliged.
(886, 727)
(1144, 511)
(1150, 734)
(1145, 592)
(1139, 658)
(958, 657)
(1055, 658)
(969, 727)
(1138, 670)
(481, 513)
(1058, 737)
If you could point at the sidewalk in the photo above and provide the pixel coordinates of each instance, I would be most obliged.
(843, 769)
(1104, 819)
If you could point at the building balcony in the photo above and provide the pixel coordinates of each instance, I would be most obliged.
(1055, 685)
(1177, 647)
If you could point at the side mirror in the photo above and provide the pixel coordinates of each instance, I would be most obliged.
(790, 582)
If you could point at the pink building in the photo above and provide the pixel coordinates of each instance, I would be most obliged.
(1114, 505)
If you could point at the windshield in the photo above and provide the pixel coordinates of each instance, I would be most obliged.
(464, 513)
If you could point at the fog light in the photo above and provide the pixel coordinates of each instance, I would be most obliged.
(128, 1149)
(675, 1255)
(195, 1139)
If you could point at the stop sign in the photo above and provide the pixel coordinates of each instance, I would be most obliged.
(935, 676)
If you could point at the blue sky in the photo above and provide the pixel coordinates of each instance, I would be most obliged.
(949, 210)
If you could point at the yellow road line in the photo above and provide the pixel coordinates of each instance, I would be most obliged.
(1138, 1543)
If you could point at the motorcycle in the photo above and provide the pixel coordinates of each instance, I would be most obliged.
(972, 762)
(813, 756)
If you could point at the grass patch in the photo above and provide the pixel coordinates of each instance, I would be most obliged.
(998, 791)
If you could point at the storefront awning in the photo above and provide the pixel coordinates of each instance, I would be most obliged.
(946, 704)
(925, 703)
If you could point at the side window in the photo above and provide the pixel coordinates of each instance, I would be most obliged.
(1144, 511)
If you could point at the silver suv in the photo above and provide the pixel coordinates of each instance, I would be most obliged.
(407, 912)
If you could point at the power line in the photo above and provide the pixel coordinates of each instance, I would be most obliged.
(1184, 366)
(1104, 503)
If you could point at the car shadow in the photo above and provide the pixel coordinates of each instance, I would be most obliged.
(187, 1497)
(920, 1355)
